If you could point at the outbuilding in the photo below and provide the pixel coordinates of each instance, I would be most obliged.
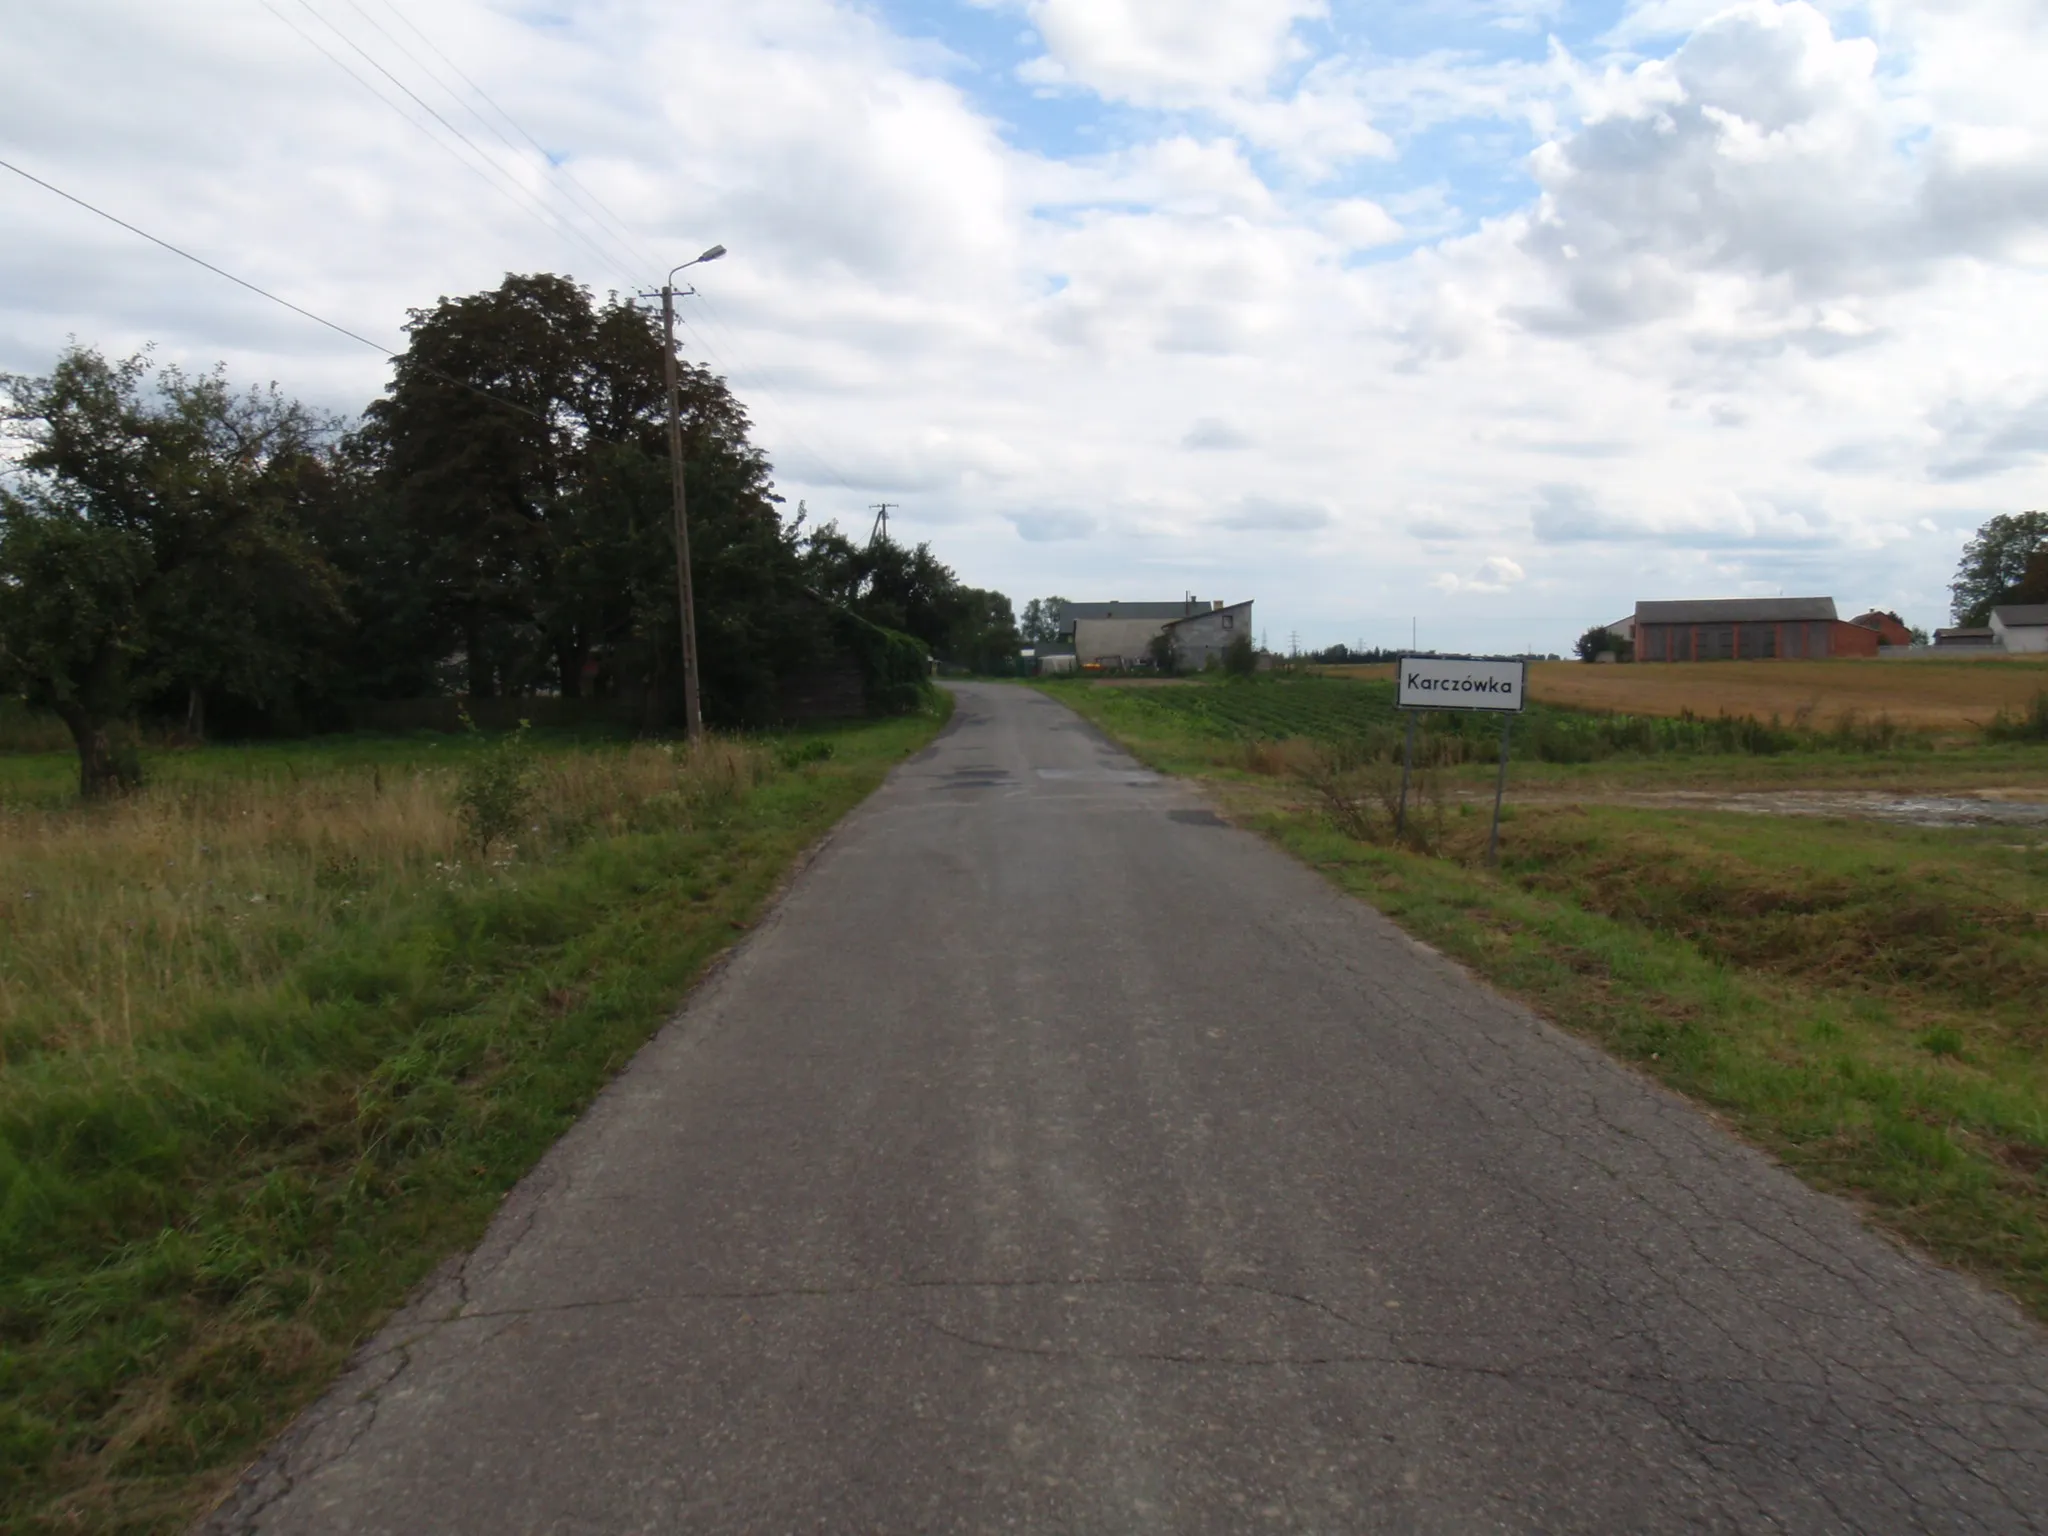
(1748, 629)
(2020, 627)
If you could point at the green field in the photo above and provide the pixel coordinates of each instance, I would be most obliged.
(1225, 727)
(279, 1034)
(1862, 999)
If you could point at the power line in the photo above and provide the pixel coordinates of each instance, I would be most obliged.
(297, 309)
(511, 192)
(623, 242)
(568, 175)
(200, 261)
(732, 365)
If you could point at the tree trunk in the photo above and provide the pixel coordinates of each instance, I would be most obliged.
(569, 661)
(195, 715)
(480, 681)
(102, 769)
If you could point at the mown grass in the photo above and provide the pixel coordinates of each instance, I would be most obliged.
(1865, 1000)
(277, 1042)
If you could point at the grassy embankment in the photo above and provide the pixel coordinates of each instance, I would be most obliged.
(1864, 1000)
(277, 1040)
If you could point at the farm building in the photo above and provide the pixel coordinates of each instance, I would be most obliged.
(1891, 629)
(2020, 627)
(1120, 635)
(1965, 640)
(1748, 629)
(1200, 639)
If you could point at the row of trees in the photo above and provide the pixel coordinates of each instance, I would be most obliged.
(496, 523)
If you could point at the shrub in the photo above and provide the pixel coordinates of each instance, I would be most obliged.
(2030, 724)
(495, 793)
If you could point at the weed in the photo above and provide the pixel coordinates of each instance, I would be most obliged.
(2029, 724)
(495, 792)
(1941, 1040)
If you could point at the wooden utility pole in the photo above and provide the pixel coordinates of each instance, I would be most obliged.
(693, 714)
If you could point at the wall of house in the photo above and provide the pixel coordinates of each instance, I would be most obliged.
(2030, 638)
(1114, 642)
(1202, 640)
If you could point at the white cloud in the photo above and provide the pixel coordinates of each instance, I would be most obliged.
(1496, 573)
(1765, 316)
(1359, 224)
(1166, 51)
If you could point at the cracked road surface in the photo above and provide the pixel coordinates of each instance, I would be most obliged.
(1057, 1158)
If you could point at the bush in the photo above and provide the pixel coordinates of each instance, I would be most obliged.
(2030, 724)
(1240, 658)
(495, 794)
(895, 669)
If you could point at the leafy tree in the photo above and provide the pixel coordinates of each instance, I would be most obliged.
(1041, 623)
(1163, 650)
(2032, 587)
(152, 543)
(910, 589)
(1596, 642)
(522, 447)
(1240, 657)
(1995, 565)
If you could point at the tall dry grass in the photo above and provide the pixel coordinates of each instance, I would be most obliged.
(121, 920)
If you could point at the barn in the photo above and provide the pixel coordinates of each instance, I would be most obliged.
(1748, 629)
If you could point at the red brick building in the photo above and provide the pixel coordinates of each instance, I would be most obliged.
(1748, 629)
(1891, 629)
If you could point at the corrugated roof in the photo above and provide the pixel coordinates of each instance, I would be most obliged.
(2022, 615)
(1073, 611)
(1736, 610)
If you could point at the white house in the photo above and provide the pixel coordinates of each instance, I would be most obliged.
(2020, 627)
(1120, 635)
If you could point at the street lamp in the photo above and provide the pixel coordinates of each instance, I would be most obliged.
(693, 714)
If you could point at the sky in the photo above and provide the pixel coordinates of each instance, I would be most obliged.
(1472, 320)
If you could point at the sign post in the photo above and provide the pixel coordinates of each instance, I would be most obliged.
(1472, 683)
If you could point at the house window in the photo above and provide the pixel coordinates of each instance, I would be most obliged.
(1230, 621)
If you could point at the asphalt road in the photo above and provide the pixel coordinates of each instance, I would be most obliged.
(1056, 1158)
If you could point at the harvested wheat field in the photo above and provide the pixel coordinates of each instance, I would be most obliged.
(1928, 693)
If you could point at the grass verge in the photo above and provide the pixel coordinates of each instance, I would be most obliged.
(1863, 1000)
(278, 1042)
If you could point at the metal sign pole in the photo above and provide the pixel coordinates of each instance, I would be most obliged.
(1500, 785)
(1407, 762)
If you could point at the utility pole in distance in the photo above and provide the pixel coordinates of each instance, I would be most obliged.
(693, 714)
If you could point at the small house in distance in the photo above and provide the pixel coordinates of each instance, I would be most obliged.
(2020, 627)
(1891, 629)
(1748, 629)
(1119, 635)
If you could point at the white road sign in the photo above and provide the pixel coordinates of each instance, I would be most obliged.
(1452, 682)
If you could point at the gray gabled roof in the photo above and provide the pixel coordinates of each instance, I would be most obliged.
(2021, 615)
(1073, 611)
(1736, 610)
(1203, 613)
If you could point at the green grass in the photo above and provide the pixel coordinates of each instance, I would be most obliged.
(1863, 1000)
(1208, 727)
(209, 1195)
